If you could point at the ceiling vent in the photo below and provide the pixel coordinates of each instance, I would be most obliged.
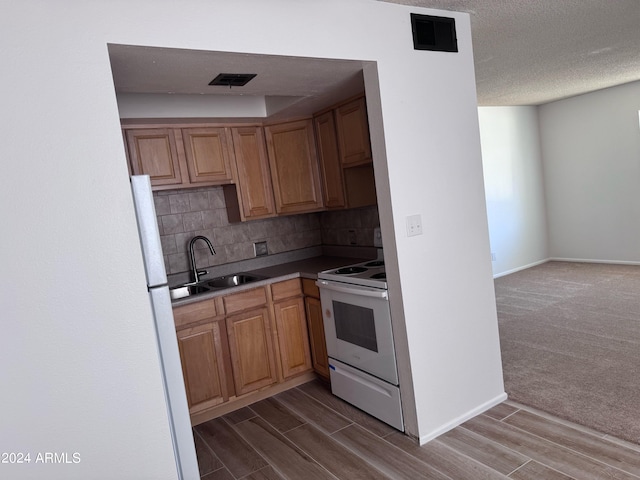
(232, 79)
(434, 33)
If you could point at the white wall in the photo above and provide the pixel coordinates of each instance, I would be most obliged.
(77, 353)
(514, 187)
(78, 361)
(434, 168)
(157, 105)
(591, 152)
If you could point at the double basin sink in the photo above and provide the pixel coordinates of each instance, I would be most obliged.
(220, 283)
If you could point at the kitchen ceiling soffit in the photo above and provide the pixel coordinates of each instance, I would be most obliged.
(288, 86)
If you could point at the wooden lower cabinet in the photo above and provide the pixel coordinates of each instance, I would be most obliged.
(293, 339)
(243, 346)
(251, 349)
(315, 324)
(205, 365)
(317, 339)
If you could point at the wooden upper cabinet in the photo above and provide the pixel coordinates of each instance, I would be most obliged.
(181, 158)
(253, 182)
(294, 167)
(153, 152)
(353, 133)
(330, 163)
(208, 155)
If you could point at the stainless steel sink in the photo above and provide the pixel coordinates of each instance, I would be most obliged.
(186, 291)
(233, 280)
(219, 283)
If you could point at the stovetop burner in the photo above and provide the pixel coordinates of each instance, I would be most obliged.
(350, 270)
(375, 263)
(369, 273)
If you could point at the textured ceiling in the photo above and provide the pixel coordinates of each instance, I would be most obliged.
(529, 52)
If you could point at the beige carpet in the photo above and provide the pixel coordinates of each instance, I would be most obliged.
(570, 337)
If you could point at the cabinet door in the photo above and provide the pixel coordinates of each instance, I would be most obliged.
(353, 133)
(329, 156)
(207, 154)
(316, 337)
(251, 350)
(203, 365)
(255, 192)
(293, 338)
(153, 152)
(294, 167)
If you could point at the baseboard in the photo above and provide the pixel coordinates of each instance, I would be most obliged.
(523, 267)
(587, 260)
(463, 418)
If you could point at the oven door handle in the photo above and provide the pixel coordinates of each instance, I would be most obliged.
(352, 290)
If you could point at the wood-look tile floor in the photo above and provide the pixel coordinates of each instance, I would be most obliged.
(306, 433)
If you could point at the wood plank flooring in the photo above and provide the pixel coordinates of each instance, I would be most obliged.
(307, 433)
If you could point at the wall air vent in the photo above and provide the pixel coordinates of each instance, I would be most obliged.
(232, 79)
(434, 33)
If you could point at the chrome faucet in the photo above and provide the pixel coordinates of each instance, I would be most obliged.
(194, 270)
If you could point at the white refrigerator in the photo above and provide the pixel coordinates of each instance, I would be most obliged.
(169, 356)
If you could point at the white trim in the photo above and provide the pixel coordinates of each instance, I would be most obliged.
(587, 260)
(559, 259)
(463, 418)
(523, 267)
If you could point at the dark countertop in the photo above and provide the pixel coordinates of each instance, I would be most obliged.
(307, 268)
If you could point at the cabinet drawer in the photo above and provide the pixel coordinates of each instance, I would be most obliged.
(245, 300)
(195, 312)
(286, 289)
(310, 288)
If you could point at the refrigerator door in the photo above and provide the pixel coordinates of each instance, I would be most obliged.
(175, 395)
(148, 229)
(168, 353)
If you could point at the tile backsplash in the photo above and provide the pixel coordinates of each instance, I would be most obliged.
(182, 214)
(349, 227)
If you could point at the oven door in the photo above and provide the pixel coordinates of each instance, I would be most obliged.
(357, 325)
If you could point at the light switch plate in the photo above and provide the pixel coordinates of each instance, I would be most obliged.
(414, 225)
(377, 237)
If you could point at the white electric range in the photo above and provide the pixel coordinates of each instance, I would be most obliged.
(358, 331)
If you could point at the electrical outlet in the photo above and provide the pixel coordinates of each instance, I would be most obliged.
(414, 225)
(260, 248)
(377, 237)
(352, 237)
